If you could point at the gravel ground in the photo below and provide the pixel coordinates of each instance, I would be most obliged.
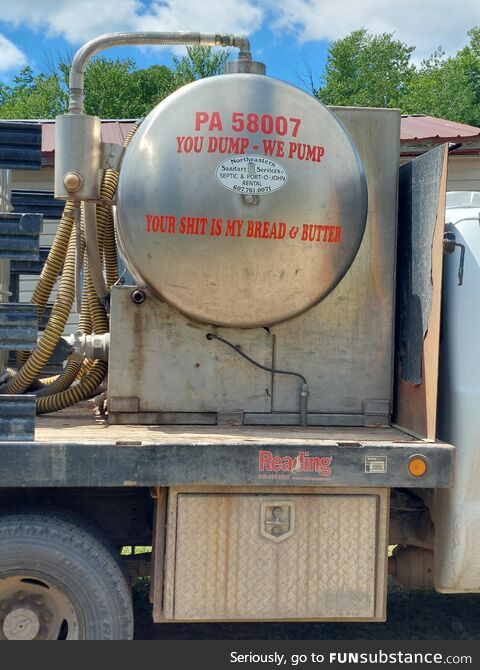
(412, 615)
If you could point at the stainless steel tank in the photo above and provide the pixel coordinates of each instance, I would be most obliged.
(242, 201)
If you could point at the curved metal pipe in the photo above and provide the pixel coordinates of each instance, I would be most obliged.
(94, 260)
(85, 53)
(80, 250)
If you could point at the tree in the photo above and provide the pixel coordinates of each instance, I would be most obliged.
(32, 97)
(113, 88)
(200, 62)
(375, 70)
(116, 90)
(449, 87)
(367, 70)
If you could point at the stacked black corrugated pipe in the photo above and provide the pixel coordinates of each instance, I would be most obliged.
(79, 379)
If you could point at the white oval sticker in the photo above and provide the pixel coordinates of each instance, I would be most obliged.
(255, 175)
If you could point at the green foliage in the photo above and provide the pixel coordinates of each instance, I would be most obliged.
(362, 69)
(114, 89)
(367, 71)
(375, 71)
(449, 87)
(200, 62)
(32, 97)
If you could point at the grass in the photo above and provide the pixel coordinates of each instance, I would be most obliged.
(134, 550)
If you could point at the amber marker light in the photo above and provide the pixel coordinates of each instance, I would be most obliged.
(417, 466)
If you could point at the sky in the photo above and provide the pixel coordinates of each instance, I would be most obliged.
(285, 34)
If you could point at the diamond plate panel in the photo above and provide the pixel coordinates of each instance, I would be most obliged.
(225, 569)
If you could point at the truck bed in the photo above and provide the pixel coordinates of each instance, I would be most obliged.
(76, 448)
(64, 426)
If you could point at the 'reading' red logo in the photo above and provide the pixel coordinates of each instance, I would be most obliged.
(301, 463)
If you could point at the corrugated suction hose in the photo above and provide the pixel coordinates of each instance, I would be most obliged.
(52, 267)
(56, 323)
(105, 217)
(81, 391)
(77, 381)
(60, 382)
(92, 373)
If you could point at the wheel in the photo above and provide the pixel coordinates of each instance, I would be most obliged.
(58, 581)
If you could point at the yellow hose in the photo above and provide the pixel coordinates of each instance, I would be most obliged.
(81, 391)
(52, 268)
(91, 374)
(55, 327)
(105, 217)
(54, 263)
(93, 318)
(63, 380)
(110, 258)
(86, 367)
(105, 220)
(85, 323)
(60, 382)
(98, 315)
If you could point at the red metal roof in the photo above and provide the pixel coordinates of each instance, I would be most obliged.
(419, 127)
(112, 131)
(414, 130)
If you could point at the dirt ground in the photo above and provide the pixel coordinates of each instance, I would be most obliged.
(412, 615)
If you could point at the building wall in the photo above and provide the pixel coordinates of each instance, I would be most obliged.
(463, 172)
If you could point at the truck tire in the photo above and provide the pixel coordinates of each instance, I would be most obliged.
(59, 581)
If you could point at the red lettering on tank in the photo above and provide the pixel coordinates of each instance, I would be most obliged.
(252, 123)
(234, 228)
(213, 121)
(163, 223)
(312, 232)
(193, 225)
(201, 119)
(189, 144)
(274, 148)
(227, 145)
(307, 152)
(266, 230)
(216, 225)
(238, 228)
